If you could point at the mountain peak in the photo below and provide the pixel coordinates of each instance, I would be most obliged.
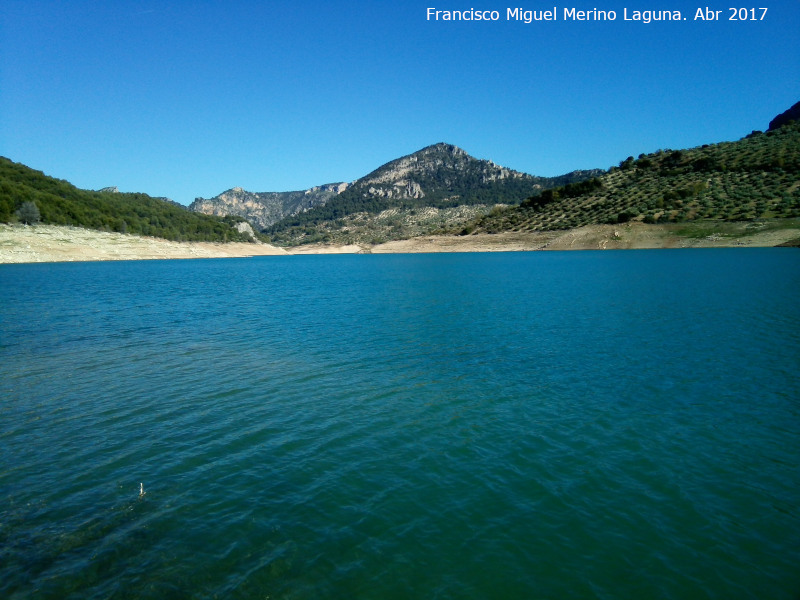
(444, 147)
(441, 176)
(440, 167)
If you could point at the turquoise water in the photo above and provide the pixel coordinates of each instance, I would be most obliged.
(516, 425)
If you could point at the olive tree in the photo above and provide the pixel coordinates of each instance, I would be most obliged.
(28, 213)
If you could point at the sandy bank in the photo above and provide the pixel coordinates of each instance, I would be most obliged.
(48, 243)
(594, 237)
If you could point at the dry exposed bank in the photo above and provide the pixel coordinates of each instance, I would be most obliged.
(48, 243)
(605, 237)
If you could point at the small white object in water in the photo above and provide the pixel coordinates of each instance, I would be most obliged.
(141, 490)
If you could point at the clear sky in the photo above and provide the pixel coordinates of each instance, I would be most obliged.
(187, 99)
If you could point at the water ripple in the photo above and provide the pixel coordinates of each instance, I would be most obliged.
(555, 426)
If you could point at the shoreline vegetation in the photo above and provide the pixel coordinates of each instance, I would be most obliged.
(52, 243)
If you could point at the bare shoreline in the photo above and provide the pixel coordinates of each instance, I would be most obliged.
(49, 243)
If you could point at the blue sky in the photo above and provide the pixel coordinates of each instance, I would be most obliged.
(187, 99)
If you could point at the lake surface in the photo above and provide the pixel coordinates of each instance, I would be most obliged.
(516, 425)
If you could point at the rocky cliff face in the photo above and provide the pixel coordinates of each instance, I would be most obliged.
(437, 172)
(263, 209)
(246, 230)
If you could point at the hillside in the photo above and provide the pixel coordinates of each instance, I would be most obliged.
(414, 195)
(264, 209)
(755, 178)
(61, 203)
(793, 114)
(443, 190)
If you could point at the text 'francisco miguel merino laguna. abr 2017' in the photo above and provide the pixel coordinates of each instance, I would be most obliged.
(574, 14)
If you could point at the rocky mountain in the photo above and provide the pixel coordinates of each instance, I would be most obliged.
(264, 209)
(441, 175)
(442, 181)
(444, 175)
(427, 191)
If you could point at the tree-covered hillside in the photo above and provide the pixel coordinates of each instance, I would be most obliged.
(61, 203)
(757, 177)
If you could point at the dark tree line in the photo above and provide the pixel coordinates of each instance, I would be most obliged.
(571, 190)
(58, 202)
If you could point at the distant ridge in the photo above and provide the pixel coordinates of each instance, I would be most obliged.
(442, 189)
(264, 209)
(439, 177)
(442, 175)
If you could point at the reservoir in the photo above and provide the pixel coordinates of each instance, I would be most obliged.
(619, 424)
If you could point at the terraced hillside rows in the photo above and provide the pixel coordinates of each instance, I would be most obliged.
(757, 177)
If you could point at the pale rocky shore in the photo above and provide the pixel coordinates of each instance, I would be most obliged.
(49, 243)
(629, 236)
